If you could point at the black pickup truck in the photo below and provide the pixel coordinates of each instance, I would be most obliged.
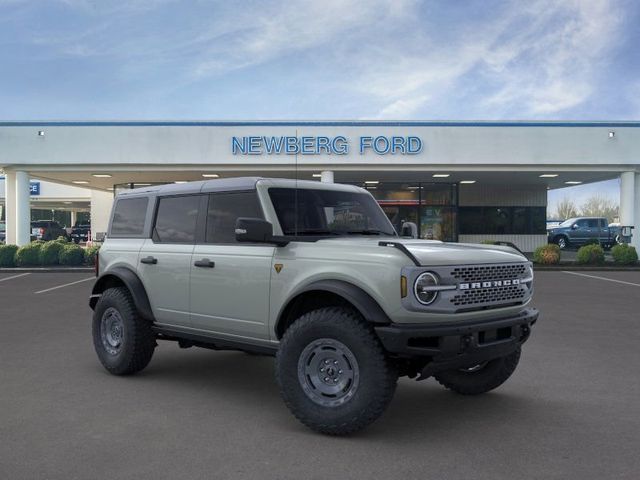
(581, 230)
(80, 232)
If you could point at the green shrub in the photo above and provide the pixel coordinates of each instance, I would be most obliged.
(547, 254)
(49, 252)
(71, 254)
(90, 254)
(592, 241)
(624, 254)
(8, 255)
(29, 255)
(590, 255)
(487, 242)
(61, 239)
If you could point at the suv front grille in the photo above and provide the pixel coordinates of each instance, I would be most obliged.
(485, 296)
(480, 273)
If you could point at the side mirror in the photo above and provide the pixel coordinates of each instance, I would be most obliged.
(574, 226)
(256, 230)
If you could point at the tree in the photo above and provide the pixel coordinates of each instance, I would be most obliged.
(599, 206)
(565, 209)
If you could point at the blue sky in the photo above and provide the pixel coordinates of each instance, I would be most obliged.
(334, 59)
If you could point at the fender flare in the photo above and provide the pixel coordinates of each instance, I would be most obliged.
(133, 284)
(361, 300)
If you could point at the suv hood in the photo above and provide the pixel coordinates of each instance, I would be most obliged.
(434, 252)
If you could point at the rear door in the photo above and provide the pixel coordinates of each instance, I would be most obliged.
(230, 280)
(164, 263)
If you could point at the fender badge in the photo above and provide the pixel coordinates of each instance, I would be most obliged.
(278, 267)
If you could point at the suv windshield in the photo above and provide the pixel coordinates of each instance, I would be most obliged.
(328, 212)
(568, 223)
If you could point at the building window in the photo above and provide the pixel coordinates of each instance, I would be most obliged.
(502, 220)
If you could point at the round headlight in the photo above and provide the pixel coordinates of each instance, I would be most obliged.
(421, 288)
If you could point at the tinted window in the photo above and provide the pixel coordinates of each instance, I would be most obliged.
(176, 219)
(502, 220)
(593, 223)
(225, 209)
(128, 216)
(582, 223)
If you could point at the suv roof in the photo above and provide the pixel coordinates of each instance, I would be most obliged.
(237, 183)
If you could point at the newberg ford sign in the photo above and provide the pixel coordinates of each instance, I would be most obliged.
(338, 145)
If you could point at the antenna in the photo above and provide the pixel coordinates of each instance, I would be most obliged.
(295, 195)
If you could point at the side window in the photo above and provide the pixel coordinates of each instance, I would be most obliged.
(128, 216)
(581, 223)
(176, 219)
(225, 209)
(603, 223)
(593, 223)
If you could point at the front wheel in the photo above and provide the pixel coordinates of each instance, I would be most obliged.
(122, 339)
(332, 372)
(481, 378)
(562, 242)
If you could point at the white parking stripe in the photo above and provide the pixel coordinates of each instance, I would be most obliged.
(66, 285)
(11, 278)
(602, 278)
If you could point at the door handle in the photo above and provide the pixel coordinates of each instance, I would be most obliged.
(205, 263)
(149, 260)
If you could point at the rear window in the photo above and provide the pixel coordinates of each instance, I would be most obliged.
(128, 216)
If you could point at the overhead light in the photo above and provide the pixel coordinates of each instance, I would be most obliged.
(180, 181)
(317, 175)
(210, 175)
(372, 182)
(101, 175)
(612, 134)
(79, 182)
(67, 203)
(467, 181)
(441, 175)
(573, 182)
(372, 188)
(142, 184)
(549, 175)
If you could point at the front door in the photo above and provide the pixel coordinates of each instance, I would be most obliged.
(580, 232)
(164, 263)
(230, 280)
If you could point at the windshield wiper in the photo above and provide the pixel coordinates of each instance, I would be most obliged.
(367, 232)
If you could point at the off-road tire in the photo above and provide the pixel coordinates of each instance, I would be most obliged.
(377, 376)
(138, 340)
(490, 376)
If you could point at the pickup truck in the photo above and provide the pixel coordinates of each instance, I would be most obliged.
(582, 230)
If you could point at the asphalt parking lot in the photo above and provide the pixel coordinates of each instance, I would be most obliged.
(571, 410)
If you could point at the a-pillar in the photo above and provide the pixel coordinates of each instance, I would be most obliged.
(326, 176)
(22, 208)
(629, 210)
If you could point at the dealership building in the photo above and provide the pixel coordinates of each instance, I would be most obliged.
(457, 181)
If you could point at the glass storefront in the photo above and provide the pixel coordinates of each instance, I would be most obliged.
(431, 206)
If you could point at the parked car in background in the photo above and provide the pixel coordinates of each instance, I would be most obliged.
(80, 232)
(582, 230)
(47, 230)
(553, 223)
(3, 232)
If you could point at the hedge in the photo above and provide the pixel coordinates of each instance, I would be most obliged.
(29, 255)
(590, 255)
(8, 255)
(71, 254)
(547, 254)
(49, 253)
(90, 255)
(624, 254)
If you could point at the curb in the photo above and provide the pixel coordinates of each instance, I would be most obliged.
(47, 270)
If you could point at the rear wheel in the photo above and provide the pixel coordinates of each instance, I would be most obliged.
(122, 339)
(332, 372)
(480, 378)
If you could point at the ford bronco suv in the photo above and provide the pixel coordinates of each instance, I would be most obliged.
(314, 274)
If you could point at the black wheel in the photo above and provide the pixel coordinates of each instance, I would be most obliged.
(333, 373)
(480, 378)
(123, 340)
(562, 242)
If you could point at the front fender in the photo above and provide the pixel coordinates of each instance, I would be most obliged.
(119, 276)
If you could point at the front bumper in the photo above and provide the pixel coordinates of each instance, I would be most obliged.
(447, 347)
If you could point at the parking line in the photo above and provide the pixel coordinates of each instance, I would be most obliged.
(11, 278)
(65, 285)
(603, 278)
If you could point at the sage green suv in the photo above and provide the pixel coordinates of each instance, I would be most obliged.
(314, 274)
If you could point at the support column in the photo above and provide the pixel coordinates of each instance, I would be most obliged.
(635, 240)
(101, 203)
(73, 218)
(10, 207)
(23, 209)
(326, 176)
